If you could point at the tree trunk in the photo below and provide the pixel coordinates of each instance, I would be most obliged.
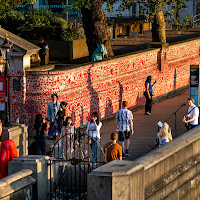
(158, 28)
(95, 26)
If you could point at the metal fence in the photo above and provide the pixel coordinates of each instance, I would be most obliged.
(73, 157)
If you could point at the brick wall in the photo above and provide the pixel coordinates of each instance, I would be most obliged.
(102, 86)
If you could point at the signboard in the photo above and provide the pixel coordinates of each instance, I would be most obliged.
(194, 83)
(2, 89)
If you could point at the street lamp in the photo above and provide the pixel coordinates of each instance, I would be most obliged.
(6, 49)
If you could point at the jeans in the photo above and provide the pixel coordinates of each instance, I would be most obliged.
(51, 129)
(163, 141)
(94, 144)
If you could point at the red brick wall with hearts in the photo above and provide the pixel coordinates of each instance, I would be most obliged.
(104, 85)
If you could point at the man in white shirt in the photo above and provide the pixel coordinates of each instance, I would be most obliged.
(125, 126)
(193, 114)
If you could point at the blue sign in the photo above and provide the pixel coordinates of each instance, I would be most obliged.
(194, 83)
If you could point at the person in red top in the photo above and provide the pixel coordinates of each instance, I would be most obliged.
(112, 150)
(8, 151)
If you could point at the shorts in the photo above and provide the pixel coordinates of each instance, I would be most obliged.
(123, 135)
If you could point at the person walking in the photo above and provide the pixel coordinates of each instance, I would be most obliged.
(112, 150)
(93, 130)
(192, 117)
(52, 110)
(148, 95)
(124, 122)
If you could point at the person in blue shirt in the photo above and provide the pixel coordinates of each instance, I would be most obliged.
(101, 52)
(148, 95)
(52, 110)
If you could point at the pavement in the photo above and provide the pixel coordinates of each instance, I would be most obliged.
(145, 126)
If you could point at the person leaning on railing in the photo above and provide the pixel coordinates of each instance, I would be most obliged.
(164, 135)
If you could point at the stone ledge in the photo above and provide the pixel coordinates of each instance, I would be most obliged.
(16, 176)
(117, 168)
(187, 188)
(180, 170)
(160, 45)
(15, 182)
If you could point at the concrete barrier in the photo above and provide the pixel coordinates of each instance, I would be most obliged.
(18, 186)
(40, 169)
(169, 172)
(19, 134)
(70, 50)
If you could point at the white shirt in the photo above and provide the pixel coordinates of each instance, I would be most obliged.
(93, 130)
(195, 111)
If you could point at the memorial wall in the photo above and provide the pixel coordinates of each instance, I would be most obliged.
(102, 86)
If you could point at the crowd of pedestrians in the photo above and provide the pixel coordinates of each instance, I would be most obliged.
(63, 131)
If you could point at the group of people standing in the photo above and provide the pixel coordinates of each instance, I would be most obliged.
(61, 127)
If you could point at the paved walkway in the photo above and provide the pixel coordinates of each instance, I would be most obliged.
(146, 126)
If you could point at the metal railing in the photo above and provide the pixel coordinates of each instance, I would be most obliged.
(72, 158)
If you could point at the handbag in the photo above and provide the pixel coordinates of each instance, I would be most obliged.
(151, 94)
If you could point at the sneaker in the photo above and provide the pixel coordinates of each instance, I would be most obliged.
(123, 155)
(148, 113)
(127, 154)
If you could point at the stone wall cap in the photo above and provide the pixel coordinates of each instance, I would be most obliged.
(117, 167)
(30, 158)
(14, 177)
(3, 183)
(15, 182)
(14, 127)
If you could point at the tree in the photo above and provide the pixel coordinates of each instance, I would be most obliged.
(6, 5)
(94, 21)
(158, 19)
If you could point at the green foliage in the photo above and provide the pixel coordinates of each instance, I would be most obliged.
(12, 19)
(32, 2)
(35, 23)
(7, 5)
(153, 6)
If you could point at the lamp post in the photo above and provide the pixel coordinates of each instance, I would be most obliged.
(6, 48)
